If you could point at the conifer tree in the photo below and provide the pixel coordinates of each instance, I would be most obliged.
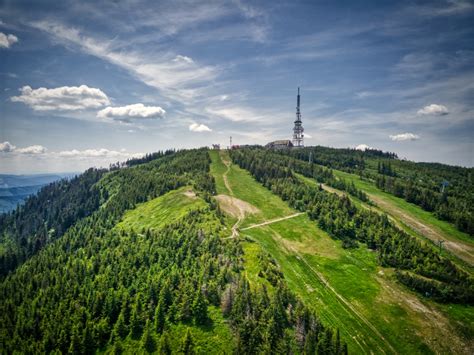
(187, 347)
(164, 346)
(148, 342)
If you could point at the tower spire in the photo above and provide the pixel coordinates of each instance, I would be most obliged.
(298, 128)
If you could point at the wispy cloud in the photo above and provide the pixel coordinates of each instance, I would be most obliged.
(176, 76)
(98, 153)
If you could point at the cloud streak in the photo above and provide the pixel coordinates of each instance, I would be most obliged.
(177, 77)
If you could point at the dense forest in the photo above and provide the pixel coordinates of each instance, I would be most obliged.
(45, 217)
(447, 191)
(97, 287)
(421, 267)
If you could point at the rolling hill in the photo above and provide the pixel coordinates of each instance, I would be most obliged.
(242, 251)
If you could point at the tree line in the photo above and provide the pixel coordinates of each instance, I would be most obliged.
(341, 219)
(447, 191)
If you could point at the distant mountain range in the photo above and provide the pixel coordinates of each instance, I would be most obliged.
(14, 189)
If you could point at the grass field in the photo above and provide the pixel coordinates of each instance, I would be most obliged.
(424, 223)
(346, 287)
(162, 210)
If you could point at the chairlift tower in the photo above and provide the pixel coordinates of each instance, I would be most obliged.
(298, 128)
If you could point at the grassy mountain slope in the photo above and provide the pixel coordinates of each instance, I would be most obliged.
(153, 270)
(346, 286)
(423, 222)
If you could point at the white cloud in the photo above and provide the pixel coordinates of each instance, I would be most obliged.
(306, 135)
(434, 109)
(195, 127)
(363, 147)
(183, 58)
(7, 40)
(32, 150)
(404, 137)
(135, 111)
(65, 98)
(6, 147)
(98, 153)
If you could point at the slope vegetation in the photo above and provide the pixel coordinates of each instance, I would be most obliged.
(347, 287)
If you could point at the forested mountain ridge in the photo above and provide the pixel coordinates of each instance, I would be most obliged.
(447, 191)
(102, 287)
(156, 255)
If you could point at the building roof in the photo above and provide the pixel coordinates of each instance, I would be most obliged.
(281, 142)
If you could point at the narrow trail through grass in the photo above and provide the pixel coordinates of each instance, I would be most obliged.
(347, 288)
(272, 221)
(408, 215)
(346, 303)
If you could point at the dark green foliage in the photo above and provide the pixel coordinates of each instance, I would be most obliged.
(187, 346)
(148, 341)
(343, 220)
(98, 286)
(164, 346)
(45, 217)
(418, 183)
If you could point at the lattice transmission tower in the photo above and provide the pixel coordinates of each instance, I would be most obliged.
(298, 130)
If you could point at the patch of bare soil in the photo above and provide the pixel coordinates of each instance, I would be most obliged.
(190, 194)
(332, 190)
(235, 207)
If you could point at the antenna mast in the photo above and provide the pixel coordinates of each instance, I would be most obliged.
(298, 129)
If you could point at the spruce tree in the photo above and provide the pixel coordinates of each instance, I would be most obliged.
(148, 342)
(164, 346)
(187, 347)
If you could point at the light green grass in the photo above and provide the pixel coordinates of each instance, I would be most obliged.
(246, 188)
(448, 229)
(160, 211)
(400, 223)
(217, 170)
(300, 248)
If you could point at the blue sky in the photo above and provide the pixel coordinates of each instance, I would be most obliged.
(88, 83)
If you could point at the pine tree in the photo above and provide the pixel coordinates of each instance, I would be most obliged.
(118, 348)
(120, 328)
(200, 308)
(187, 347)
(135, 324)
(164, 346)
(75, 345)
(160, 316)
(148, 342)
